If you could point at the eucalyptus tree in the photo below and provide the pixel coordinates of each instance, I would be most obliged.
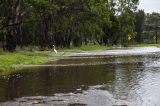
(126, 9)
(154, 21)
(13, 13)
(102, 13)
(139, 23)
(115, 24)
(41, 12)
(65, 22)
(1, 22)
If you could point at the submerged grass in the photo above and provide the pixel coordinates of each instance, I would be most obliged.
(145, 45)
(12, 61)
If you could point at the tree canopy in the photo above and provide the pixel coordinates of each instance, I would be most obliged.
(67, 22)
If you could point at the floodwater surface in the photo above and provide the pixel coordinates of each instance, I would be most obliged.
(123, 77)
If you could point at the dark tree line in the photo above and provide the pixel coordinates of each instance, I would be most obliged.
(66, 22)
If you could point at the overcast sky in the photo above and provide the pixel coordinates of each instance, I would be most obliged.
(150, 6)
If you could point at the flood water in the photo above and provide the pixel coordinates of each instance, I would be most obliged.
(128, 77)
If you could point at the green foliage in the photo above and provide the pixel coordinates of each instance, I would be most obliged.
(66, 22)
(139, 22)
(127, 18)
(151, 27)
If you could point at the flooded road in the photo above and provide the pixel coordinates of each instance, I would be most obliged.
(128, 77)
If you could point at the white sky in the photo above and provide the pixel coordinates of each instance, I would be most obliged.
(150, 6)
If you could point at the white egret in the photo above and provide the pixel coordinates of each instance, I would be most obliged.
(55, 49)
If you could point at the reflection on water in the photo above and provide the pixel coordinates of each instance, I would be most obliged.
(132, 80)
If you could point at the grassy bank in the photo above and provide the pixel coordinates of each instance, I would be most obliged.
(85, 48)
(16, 60)
(13, 61)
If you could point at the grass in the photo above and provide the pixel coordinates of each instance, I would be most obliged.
(85, 48)
(144, 45)
(12, 61)
(16, 60)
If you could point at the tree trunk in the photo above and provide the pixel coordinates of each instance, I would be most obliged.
(13, 16)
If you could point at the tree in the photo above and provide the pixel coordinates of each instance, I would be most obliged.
(65, 22)
(154, 21)
(12, 19)
(140, 17)
(127, 18)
